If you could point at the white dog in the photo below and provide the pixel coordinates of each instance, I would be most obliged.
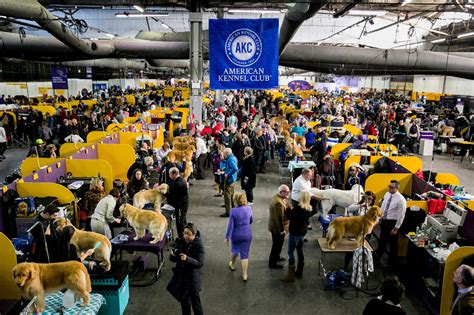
(337, 197)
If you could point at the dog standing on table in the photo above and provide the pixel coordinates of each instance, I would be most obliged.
(154, 196)
(142, 220)
(38, 279)
(337, 197)
(357, 226)
(85, 240)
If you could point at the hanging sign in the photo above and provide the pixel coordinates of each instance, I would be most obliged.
(243, 53)
(59, 78)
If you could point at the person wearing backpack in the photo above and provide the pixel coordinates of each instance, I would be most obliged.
(413, 135)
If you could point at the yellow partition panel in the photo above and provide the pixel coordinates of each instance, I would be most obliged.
(30, 165)
(184, 118)
(92, 168)
(120, 157)
(338, 148)
(411, 163)
(130, 138)
(452, 263)
(96, 136)
(8, 287)
(353, 129)
(115, 127)
(67, 149)
(447, 178)
(45, 109)
(130, 99)
(160, 139)
(63, 194)
(313, 124)
(130, 120)
(378, 183)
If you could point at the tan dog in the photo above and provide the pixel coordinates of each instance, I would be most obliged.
(38, 279)
(446, 130)
(142, 220)
(85, 240)
(291, 147)
(301, 141)
(154, 196)
(357, 226)
(179, 155)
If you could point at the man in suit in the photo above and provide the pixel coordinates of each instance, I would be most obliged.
(278, 225)
(464, 280)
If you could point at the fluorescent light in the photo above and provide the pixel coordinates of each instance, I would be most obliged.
(404, 2)
(438, 40)
(466, 35)
(164, 25)
(415, 44)
(3, 17)
(109, 35)
(262, 11)
(139, 15)
(367, 12)
(139, 8)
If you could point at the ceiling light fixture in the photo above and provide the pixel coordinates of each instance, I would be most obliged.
(466, 35)
(165, 26)
(109, 35)
(404, 2)
(436, 41)
(139, 8)
(262, 11)
(140, 15)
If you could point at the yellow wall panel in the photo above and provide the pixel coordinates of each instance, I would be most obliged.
(120, 157)
(92, 168)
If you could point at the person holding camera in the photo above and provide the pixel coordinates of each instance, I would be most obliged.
(186, 283)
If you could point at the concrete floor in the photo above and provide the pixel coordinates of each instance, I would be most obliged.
(225, 293)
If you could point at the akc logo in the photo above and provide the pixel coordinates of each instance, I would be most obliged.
(243, 47)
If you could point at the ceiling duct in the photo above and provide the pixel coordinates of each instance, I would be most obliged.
(420, 60)
(170, 36)
(33, 10)
(294, 18)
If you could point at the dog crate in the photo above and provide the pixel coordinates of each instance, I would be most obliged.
(114, 287)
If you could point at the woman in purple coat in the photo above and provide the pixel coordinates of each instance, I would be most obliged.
(239, 233)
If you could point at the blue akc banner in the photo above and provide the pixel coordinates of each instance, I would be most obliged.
(59, 78)
(243, 54)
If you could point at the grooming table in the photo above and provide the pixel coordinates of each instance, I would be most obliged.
(54, 305)
(343, 246)
(142, 245)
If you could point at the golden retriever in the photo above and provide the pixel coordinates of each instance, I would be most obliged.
(154, 196)
(38, 279)
(358, 226)
(85, 240)
(446, 130)
(142, 220)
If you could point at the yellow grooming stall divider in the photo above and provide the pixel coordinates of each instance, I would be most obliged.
(96, 136)
(378, 183)
(452, 263)
(67, 149)
(119, 156)
(8, 288)
(338, 148)
(353, 129)
(447, 178)
(63, 194)
(411, 163)
(92, 168)
(130, 138)
(30, 165)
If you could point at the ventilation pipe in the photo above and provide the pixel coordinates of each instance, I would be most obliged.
(170, 37)
(294, 18)
(420, 60)
(33, 10)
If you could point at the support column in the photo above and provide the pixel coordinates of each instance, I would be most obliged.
(219, 93)
(196, 64)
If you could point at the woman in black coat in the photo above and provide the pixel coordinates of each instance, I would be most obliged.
(248, 175)
(188, 254)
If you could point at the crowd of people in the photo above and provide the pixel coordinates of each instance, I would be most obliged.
(235, 141)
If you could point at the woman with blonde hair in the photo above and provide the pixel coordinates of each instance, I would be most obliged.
(239, 233)
(299, 221)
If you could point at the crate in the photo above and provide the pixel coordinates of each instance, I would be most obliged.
(116, 299)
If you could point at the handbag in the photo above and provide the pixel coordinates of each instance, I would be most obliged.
(178, 286)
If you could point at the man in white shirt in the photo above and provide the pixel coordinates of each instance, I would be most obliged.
(394, 207)
(201, 156)
(301, 183)
(3, 142)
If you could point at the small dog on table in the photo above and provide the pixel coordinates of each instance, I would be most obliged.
(154, 196)
(38, 279)
(357, 226)
(142, 220)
